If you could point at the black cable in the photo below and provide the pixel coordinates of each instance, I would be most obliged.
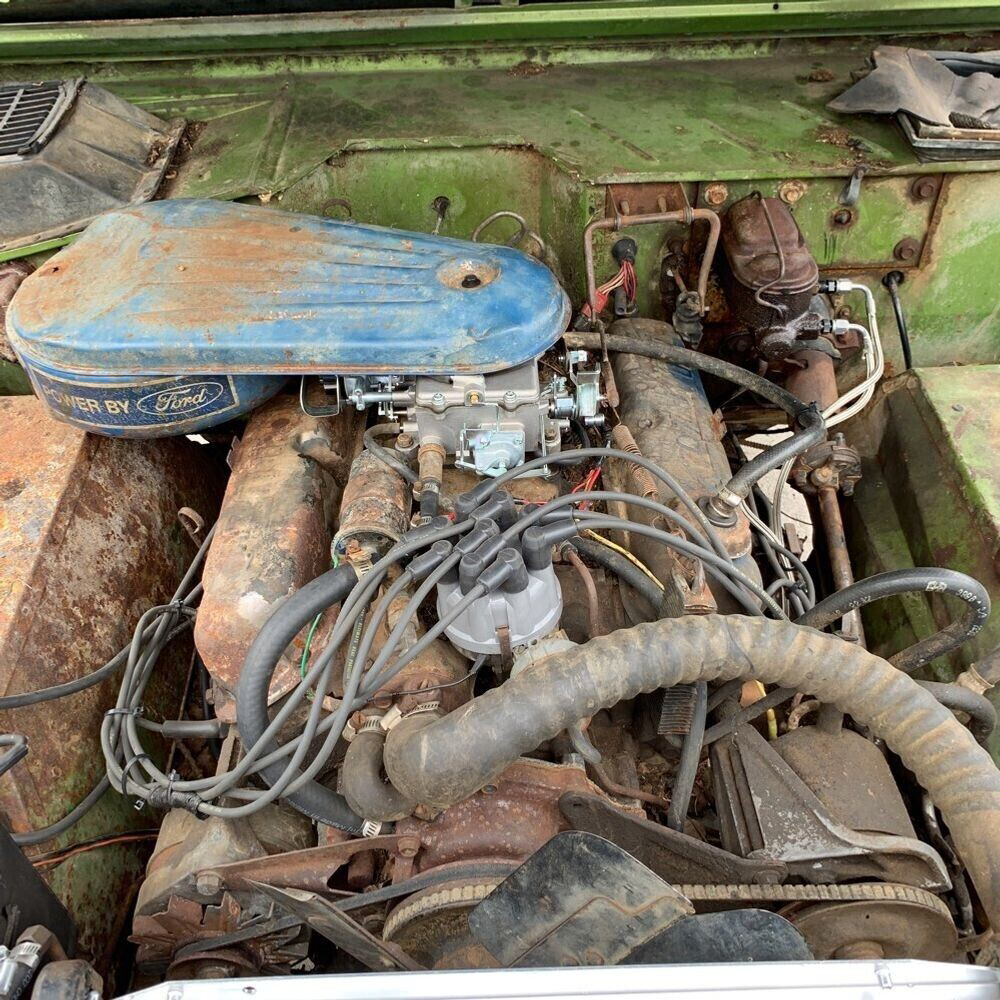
(892, 281)
(771, 700)
(386, 456)
(687, 768)
(17, 752)
(919, 580)
(70, 819)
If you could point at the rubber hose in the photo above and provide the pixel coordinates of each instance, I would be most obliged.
(315, 800)
(625, 338)
(812, 431)
(628, 340)
(921, 579)
(625, 570)
(365, 790)
(447, 760)
(982, 714)
(386, 456)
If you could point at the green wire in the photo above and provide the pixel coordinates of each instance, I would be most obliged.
(312, 631)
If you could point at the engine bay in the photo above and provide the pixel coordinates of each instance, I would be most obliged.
(505, 615)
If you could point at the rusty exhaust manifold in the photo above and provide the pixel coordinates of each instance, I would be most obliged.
(440, 762)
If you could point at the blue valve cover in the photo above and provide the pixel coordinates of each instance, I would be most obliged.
(171, 316)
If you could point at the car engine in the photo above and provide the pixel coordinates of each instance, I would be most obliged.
(505, 654)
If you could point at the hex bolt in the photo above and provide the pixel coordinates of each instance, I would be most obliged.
(510, 399)
(208, 884)
(924, 188)
(906, 250)
(404, 441)
(408, 846)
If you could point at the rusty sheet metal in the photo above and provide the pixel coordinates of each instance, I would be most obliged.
(89, 539)
(192, 287)
(273, 536)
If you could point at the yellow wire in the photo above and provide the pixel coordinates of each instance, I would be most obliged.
(625, 552)
(772, 719)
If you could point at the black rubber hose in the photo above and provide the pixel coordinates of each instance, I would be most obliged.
(625, 570)
(386, 456)
(315, 800)
(365, 790)
(443, 761)
(982, 714)
(687, 768)
(809, 419)
(922, 580)
(625, 338)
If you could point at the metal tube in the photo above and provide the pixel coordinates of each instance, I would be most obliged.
(684, 215)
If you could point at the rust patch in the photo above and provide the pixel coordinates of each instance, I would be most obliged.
(273, 536)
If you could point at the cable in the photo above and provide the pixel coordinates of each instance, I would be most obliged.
(17, 752)
(386, 456)
(70, 819)
(89, 680)
(52, 859)
(892, 281)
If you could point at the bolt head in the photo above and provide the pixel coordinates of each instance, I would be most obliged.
(716, 194)
(208, 884)
(408, 846)
(791, 191)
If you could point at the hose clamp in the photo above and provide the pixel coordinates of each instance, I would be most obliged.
(371, 828)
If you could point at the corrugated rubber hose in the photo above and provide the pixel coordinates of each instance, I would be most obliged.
(438, 762)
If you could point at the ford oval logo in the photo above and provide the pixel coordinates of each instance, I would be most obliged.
(181, 399)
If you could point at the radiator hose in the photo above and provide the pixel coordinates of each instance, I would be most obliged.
(438, 762)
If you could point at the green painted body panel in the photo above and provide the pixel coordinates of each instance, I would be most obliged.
(930, 496)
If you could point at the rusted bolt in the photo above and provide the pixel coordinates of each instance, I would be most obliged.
(404, 441)
(473, 398)
(208, 884)
(842, 218)
(489, 789)
(352, 546)
(791, 191)
(924, 188)
(716, 194)
(408, 846)
(906, 250)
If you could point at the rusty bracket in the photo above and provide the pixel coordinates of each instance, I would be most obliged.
(309, 869)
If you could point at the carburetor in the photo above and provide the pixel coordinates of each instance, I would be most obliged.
(488, 422)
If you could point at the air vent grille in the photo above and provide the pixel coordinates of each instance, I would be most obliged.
(26, 115)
